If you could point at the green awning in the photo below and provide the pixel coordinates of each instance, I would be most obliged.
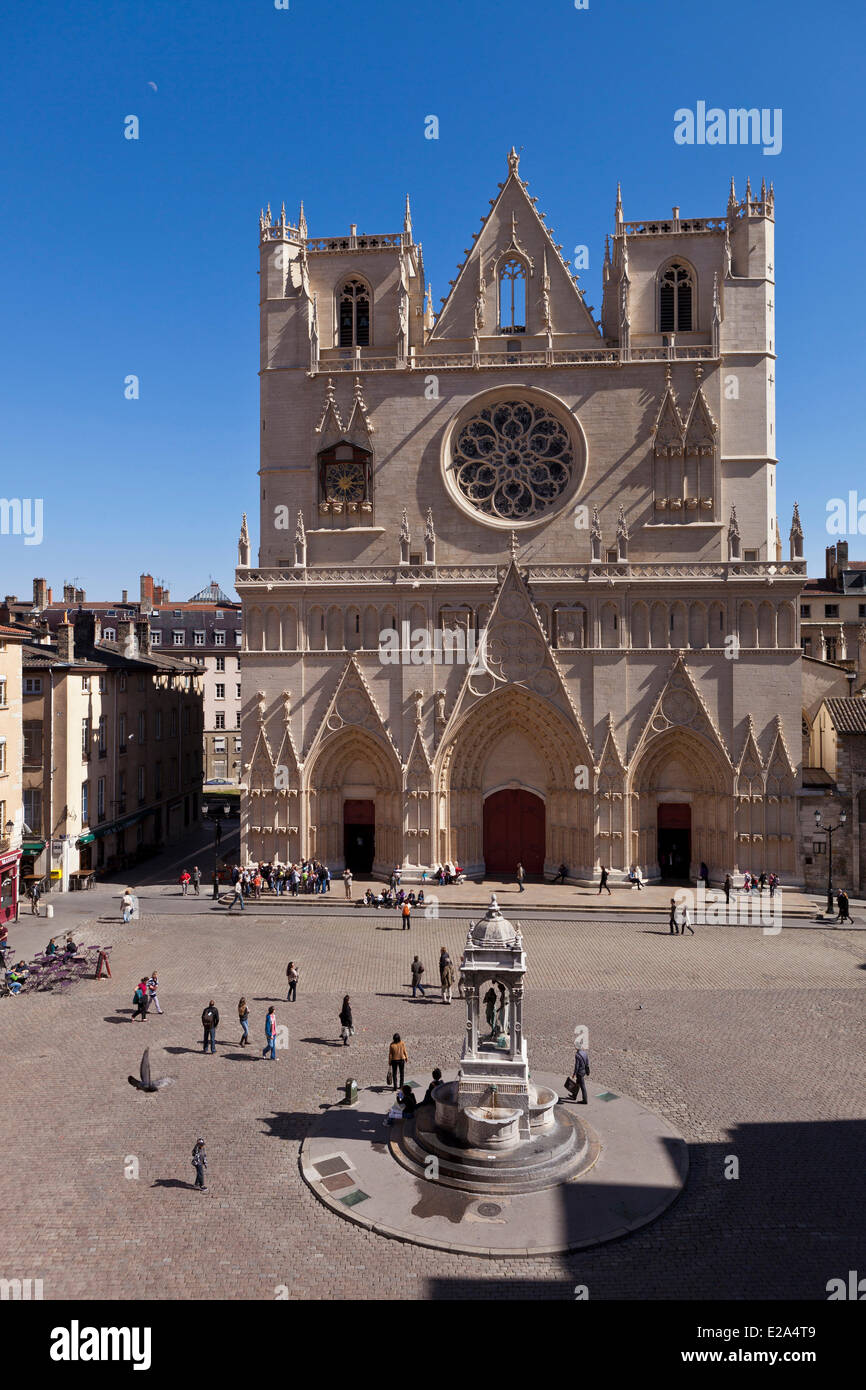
(33, 846)
(85, 840)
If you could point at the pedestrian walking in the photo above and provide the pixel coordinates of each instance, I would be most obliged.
(417, 972)
(686, 922)
(196, 880)
(407, 917)
(581, 1072)
(153, 992)
(559, 876)
(35, 895)
(843, 904)
(347, 882)
(127, 904)
(244, 1017)
(397, 1059)
(704, 875)
(728, 886)
(210, 1018)
(199, 1163)
(673, 929)
(238, 896)
(292, 975)
(270, 1048)
(446, 975)
(347, 1025)
(140, 1000)
(520, 877)
(184, 882)
(603, 884)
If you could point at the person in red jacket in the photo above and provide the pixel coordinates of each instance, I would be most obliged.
(184, 881)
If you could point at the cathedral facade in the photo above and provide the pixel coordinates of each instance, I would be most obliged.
(520, 591)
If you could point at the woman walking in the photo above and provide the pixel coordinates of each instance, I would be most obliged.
(244, 1017)
(348, 1027)
(397, 1059)
(292, 975)
(270, 1048)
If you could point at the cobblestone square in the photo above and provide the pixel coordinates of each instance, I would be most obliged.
(752, 1046)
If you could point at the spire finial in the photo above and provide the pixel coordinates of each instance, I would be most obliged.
(513, 161)
(302, 220)
(618, 203)
(732, 196)
(407, 217)
(733, 527)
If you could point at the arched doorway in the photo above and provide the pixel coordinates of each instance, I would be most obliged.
(514, 831)
(359, 835)
(674, 829)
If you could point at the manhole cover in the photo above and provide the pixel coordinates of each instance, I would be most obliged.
(607, 1095)
(488, 1209)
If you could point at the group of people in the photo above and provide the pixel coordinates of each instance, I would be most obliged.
(210, 1017)
(448, 872)
(188, 878)
(447, 976)
(309, 876)
(146, 994)
(388, 897)
(760, 881)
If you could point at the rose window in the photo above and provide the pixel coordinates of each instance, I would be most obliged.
(512, 460)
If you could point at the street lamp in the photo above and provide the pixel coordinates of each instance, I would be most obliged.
(819, 825)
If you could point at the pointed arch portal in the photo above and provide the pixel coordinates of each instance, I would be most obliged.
(514, 831)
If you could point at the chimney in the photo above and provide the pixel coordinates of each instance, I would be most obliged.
(68, 593)
(80, 596)
(50, 597)
(126, 637)
(146, 592)
(124, 597)
(830, 553)
(88, 630)
(142, 632)
(841, 554)
(40, 594)
(66, 641)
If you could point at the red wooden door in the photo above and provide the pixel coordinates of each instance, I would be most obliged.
(513, 831)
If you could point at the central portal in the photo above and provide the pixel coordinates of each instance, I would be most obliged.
(514, 832)
(674, 839)
(359, 835)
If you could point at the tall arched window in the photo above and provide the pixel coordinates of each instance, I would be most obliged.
(354, 314)
(676, 299)
(512, 297)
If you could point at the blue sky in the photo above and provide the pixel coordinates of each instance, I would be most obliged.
(141, 256)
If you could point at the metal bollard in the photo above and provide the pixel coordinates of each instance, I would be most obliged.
(351, 1097)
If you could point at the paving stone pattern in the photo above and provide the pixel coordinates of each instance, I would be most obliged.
(752, 1046)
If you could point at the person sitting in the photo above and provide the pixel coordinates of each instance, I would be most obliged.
(70, 946)
(428, 1094)
(459, 874)
(407, 1096)
(419, 901)
(411, 899)
(51, 948)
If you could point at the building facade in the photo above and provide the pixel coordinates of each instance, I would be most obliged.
(112, 748)
(11, 770)
(520, 592)
(833, 612)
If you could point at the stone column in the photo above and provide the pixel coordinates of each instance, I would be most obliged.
(516, 1021)
(471, 992)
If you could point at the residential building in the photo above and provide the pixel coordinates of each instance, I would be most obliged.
(12, 827)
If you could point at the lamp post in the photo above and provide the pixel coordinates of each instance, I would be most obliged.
(819, 825)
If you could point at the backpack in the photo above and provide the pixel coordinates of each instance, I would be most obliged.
(207, 1018)
(138, 996)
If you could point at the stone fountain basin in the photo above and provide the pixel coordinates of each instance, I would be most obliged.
(541, 1105)
(489, 1127)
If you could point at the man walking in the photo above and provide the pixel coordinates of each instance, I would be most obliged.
(35, 895)
(152, 988)
(407, 917)
(559, 877)
(196, 880)
(603, 883)
(728, 887)
(673, 929)
(843, 903)
(520, 877)
(581, 1072)
(199, 1163)
(238, 896)
(446, 975)
(270, 1048)
(347, 882)
(210, 1018)
(184, 882)
(417, 972)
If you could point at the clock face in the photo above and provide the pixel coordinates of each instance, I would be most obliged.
(344, 482)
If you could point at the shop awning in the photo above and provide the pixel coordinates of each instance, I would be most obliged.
(85, 840)
(33, 846)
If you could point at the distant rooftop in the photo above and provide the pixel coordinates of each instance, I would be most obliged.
(212, 593)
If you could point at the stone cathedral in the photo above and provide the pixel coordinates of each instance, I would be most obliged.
(520, 591)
